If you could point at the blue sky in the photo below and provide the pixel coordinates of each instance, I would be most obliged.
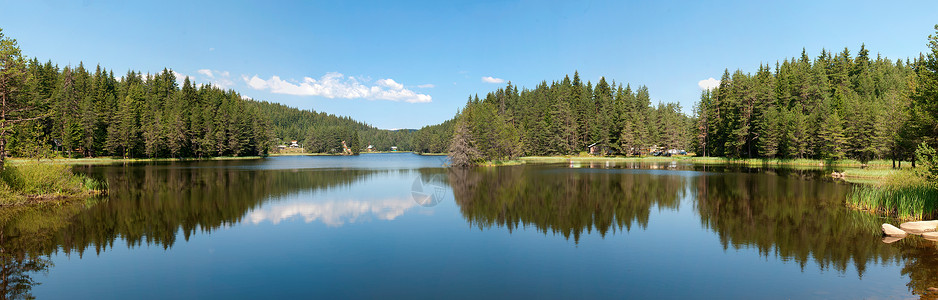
(410, 64)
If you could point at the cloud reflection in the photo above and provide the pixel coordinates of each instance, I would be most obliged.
(333, 213)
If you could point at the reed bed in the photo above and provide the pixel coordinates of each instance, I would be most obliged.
(27, 182)
(901, 195)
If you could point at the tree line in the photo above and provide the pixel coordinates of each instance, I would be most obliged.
(566, 117)
(834, 106)
(91, 114)
(73, 111)
(320, 132)
(434, 138)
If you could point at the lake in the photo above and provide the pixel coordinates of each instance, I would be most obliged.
(403, 226)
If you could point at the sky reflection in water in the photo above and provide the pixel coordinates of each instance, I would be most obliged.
(301, 227)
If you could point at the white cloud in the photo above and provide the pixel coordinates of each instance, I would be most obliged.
(223, 83)
(426, 86)
(489, 79)
(257, 83)
(246, 97)
(206, 72)
(708, 84)
(180, 76)
(390, 83)
(335, 85)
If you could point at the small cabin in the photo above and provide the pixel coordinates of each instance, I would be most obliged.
(393, 148)
(596, 149)
(293, 144)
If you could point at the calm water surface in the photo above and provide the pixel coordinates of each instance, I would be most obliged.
(401, 226)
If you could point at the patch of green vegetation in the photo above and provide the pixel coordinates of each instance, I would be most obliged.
(112, 160)
(498, 163)
(900, 194)
(565, 159)
(706, 160)
(870, 173)
(25, 183)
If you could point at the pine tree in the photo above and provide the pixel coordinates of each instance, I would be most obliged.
(14, 107)
(462, 151)
(832, 138)
(925, 97)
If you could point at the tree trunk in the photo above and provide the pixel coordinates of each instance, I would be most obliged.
(3, 130)
(3, 147)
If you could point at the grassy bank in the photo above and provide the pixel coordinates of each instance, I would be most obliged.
(113, 160)
(899, 194)
(709, 161)
(28, 183)
(498, 163)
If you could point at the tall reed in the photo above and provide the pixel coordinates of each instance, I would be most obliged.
(20, 182)
(900, 195)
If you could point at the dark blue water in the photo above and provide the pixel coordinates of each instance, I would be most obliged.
(401, 226)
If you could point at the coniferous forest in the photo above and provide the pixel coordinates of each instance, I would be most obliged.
(91, 114)
(319, 132)
(834, 106)
(565, 117)
(76, 112)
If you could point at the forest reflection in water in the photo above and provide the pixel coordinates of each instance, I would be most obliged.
(789, 214)
(792, 215)
(155, 204)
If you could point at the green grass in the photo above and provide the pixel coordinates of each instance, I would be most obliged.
(707, 160)
(496, 163)
(292, 154)
(871, 173)
(114, 160)
(565, 159)
(900, 194)
(24, 183)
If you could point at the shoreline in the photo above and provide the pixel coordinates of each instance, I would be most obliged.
(35, 200)
(16, 161)
(712, 160)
